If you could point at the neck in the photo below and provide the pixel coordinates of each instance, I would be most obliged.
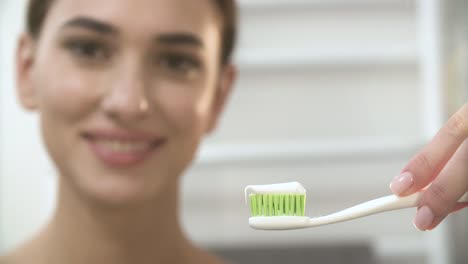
(88, 233)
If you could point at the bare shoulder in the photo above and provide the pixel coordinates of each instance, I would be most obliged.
(7, 259)
(24, 253)
(205, 257)
(13, 257)
(19, 257)
(211, 259)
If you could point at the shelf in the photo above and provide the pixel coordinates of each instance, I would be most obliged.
(222, 153)
(270, 59)
(259, 61)
(262, 4)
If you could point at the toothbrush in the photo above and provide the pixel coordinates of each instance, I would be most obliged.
(281, 206)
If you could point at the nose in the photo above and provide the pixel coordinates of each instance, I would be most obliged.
(126, 99)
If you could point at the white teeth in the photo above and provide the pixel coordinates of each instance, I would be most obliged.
(124, 146)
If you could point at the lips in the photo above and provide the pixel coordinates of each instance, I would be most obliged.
(123, 147)
(117, 148)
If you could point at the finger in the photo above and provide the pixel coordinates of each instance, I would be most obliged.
(442, 196)
(459, 206)
(427, 164)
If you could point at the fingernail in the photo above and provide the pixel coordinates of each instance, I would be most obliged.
(401, 183)
(424, 218)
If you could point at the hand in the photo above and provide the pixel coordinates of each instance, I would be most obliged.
(443, 163)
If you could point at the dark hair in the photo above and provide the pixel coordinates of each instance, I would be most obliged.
(37, 12)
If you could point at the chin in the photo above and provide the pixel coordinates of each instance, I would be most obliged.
(113, 190)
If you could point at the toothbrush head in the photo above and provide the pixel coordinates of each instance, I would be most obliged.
(277, 204)
(281, 199)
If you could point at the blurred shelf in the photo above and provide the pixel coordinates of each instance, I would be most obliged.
(225, 153)
(269, 4)
(280, 59)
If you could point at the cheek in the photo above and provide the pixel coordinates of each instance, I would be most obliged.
(187, 109)
(64, 100)
(66, 94)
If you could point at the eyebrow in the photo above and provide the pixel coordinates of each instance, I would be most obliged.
(91, 24)
(178, 39)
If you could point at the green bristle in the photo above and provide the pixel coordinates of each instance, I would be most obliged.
(298, 205)
(259, 204)
(303, 204)
(277, 204)
(253, 206)
(271, 205)
(291, 204)
(281, 204)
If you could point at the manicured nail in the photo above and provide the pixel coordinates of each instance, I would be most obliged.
(424, 218)
(402, 182)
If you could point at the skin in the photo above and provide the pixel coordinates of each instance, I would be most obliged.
(98, 67)
(442, 164)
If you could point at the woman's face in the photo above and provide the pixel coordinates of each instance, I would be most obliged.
(125, 91)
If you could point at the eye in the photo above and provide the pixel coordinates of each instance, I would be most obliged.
(178, 63)
(88, 50)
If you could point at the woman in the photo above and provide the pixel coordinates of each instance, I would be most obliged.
(125, 91)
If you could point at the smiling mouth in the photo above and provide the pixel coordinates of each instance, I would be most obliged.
(123, 147)
(117, 149)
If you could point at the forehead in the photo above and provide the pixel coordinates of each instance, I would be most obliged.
(150, 16)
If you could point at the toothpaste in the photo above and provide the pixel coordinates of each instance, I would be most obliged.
(277, 188)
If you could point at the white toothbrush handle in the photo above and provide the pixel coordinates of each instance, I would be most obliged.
(384, 204)
(393, 202)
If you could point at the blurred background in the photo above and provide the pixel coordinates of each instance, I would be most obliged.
(335, 94)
